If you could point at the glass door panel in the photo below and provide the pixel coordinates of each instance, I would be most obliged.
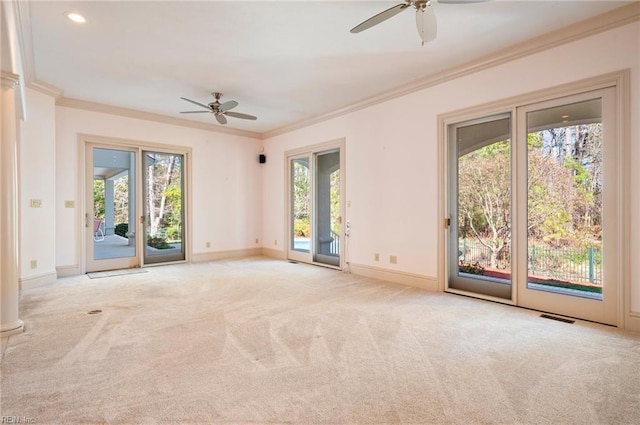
(164, 230)
(300, 219)
(315, 206)
(564, 199)
(328, 217)
(111, 213)
(571, 203)
(480, 192)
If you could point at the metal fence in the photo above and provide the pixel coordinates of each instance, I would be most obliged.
(574, 265)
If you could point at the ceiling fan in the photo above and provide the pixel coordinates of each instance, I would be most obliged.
(425, 17)
(220, 110)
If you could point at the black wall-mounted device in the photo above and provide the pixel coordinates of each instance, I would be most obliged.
(262, 158)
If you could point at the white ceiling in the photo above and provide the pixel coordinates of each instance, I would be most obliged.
(285, 62)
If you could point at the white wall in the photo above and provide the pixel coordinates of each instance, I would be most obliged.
(391, 152)
(37, 182)
(226, 185)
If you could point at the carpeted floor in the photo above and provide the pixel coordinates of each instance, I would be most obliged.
(262, 341)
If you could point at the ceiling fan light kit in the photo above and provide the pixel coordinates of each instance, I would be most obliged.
(220, 110)
(425, 17)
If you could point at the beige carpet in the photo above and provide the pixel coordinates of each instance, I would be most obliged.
(258, 341)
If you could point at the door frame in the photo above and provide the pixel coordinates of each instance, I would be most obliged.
(619, 81)
(310, 151)
(86, 140)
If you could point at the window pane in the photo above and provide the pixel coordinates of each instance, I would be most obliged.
(564, 165)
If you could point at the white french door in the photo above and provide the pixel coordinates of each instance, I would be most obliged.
(571, 268)
(534, 207)
(315, 205)
(135, 206)
(111, 207)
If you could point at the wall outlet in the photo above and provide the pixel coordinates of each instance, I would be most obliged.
(393, 259)
(34, 264)
(376, 257)
(257, 240)
(275, 242)
(208, 244)
(36, 203)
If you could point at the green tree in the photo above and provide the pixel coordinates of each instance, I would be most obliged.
(121, 200)
(301, 199)
(98, 198)
(484, 197)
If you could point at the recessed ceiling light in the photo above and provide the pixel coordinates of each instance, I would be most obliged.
(75, 17)
(565, 116)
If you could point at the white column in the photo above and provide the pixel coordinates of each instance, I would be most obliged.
(9, 260)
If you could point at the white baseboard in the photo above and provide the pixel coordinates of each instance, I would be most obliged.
(632, 323)
(222, 255)
(37, 280)
(410, 279)
(66, 271)
(274, 253)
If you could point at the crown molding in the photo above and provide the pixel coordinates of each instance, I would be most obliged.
(149, 116)
(613, 19)
(9, 79)
(45, 88)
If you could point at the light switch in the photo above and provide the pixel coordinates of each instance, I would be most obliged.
(69, 204)
(36, 203)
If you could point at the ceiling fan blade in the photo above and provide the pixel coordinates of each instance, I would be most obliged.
(426, 24)
(196, 103)
(241, 115)
(195, 112)
(380, 17)
(226, 106)
(221, 119)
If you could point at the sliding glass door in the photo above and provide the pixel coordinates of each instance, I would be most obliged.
(135, 207)
(534, 218)
(315, 207)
